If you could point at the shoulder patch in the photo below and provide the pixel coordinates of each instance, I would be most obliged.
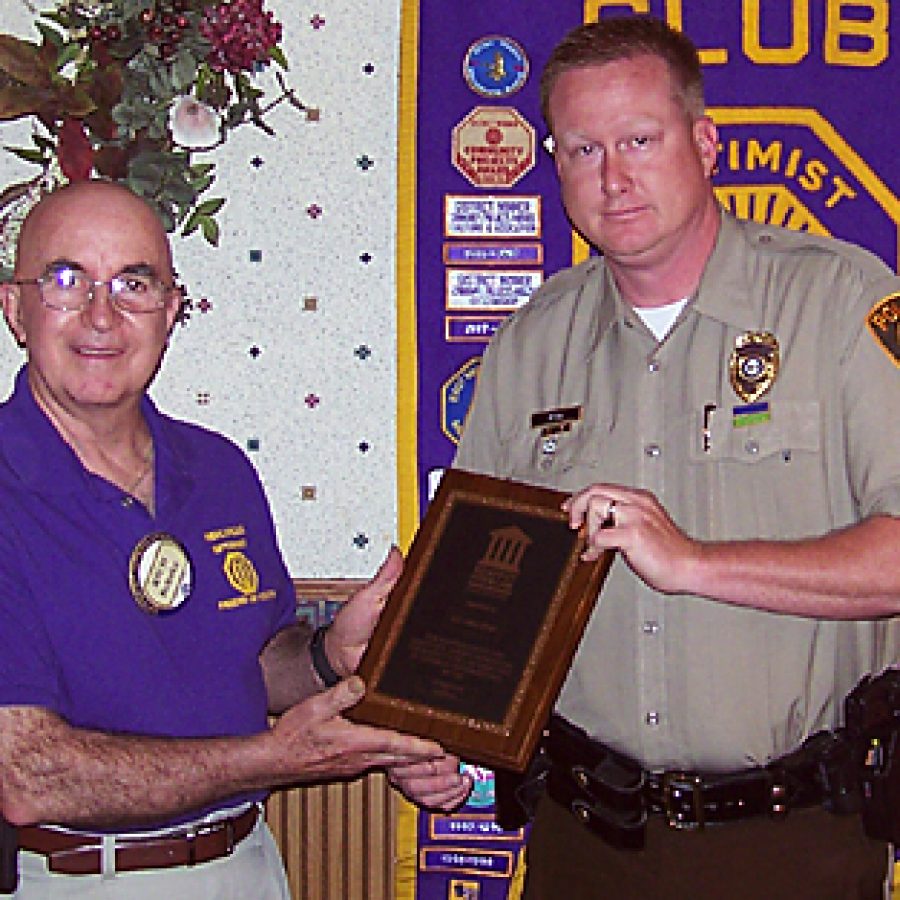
(884, 323)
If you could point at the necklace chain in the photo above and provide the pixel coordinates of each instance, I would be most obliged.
(148, 465)
(145, 471)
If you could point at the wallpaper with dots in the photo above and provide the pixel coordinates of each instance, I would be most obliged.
(289, 347)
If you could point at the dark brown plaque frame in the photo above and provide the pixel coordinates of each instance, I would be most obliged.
(480, 630)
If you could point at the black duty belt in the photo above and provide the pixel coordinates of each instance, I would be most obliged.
(613, 796)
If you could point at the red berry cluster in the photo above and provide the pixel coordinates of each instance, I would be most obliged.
(164, 23)
(241, 34)
(104, 36)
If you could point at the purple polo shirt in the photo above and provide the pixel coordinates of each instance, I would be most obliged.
(72, 638)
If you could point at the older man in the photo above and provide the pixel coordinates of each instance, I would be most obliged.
(147, 625)
(723, 398)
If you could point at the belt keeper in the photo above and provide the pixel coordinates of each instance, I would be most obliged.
(108, 856)
(229, 837)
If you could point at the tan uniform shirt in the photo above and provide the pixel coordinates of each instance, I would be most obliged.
(681, 681)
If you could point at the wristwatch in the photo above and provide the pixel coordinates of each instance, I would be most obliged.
(320, 660)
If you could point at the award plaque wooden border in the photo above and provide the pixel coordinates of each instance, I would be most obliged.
(479, 632)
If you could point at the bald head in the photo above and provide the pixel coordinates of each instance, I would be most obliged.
(95, 211)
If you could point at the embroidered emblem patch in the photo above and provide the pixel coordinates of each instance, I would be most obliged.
(495, 66)
(884, 323)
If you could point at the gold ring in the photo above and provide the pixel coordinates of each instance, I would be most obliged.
(609, 517)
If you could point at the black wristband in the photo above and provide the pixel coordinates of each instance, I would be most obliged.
(320, 660)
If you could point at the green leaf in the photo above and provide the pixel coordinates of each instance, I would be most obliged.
(50, 35)
(210, 207)
(184, 71)
(28, 154)
(201, 184)
(210, 229)
(277, 54)
(67, 53)
(56, 16)
(179, 191)
(143, 187)
(44, 143)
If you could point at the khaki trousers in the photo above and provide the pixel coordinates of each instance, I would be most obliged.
(809, 855)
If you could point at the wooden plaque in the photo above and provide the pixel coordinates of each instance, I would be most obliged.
(480, 630)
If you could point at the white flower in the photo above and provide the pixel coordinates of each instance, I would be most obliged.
(193, 124)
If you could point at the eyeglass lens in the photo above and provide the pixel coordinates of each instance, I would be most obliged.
(67, 288)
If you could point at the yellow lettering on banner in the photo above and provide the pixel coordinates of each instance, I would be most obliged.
(813, 175)
(811, 180)
(777, 56)
(592, 7)
(840, 22)
(757, 157)
(673, 16)
(842, 189)
(875, 29)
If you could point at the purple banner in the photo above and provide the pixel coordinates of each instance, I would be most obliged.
(799, 147)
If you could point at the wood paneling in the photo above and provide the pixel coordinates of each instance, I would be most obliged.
(337, 840)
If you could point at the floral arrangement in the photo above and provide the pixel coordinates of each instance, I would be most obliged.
(133, 90)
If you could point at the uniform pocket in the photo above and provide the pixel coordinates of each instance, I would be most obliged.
(767, 479)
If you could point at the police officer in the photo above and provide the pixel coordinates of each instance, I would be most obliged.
(721, 399)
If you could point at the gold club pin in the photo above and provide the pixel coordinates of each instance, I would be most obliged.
(159, 573)
(754, 363)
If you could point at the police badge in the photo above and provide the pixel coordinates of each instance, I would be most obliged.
(754, 363)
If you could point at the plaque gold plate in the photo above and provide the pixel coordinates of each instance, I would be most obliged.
(479, 632)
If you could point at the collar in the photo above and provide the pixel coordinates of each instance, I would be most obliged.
(44, 463)
(723, 293)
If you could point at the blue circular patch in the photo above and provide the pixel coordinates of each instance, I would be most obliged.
(495, 66)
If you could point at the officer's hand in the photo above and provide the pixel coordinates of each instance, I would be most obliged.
(634, 523)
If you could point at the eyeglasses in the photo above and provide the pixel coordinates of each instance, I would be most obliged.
(68, 289)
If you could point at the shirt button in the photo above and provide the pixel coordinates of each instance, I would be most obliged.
(652, 450)
(652, 718)
(650, 627)
(653, 366)
(752, 447)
